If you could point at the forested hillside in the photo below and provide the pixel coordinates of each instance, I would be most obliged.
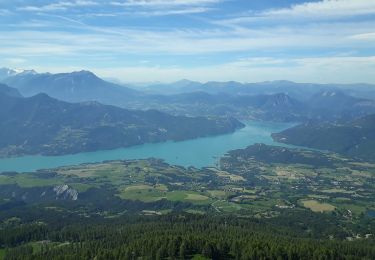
(172, 237)
(43, 125)
(355, 138)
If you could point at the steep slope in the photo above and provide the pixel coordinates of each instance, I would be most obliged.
(4, 89)
(354, 138)
(43, 125)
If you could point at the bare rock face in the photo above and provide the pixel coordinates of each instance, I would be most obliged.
(64, 192)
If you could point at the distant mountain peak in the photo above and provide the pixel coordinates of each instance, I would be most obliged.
(25, 72)
(80, 73)
(84, 76)
(185, 83)
(73, 86)
(7, 72)
(83, 72)
(18, 71)
(281, 82)
(41, 97)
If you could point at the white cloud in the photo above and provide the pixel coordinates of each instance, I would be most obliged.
(165, 7)
(192, 10)
(364, 36)
(305, 13)
(327, 8)
(121, 40)
(58, 6)
(164, 3)
(134, 7)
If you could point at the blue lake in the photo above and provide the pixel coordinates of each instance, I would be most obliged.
(197, 152)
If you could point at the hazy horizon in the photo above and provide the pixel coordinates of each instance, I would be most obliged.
(150, 83)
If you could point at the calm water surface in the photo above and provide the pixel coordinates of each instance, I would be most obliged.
(198, 152)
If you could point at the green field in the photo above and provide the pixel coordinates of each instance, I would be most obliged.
(247, 184)
(2, 254)
(144, 193)
(317, 206)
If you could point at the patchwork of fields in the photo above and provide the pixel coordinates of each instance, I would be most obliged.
(252, 182)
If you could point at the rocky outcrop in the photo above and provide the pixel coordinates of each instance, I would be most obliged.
(64, 192)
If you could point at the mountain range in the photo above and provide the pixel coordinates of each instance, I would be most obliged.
(4, 89)
(324, 105)
(77, 86)
(277, 100)
(43, 125)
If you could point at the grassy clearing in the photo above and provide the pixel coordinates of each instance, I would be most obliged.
(80, 187)
(317, 206)
(143, 192)
(2, 254)
(232, 177)
(315, 196)
(84, 171)
(286, 173)
(195, 211)
(219, 194)
(177, 195)
(226, 206)
(341, 200)
(6, 180)
(27, 180)
(190, 196)
(196, 197)
(138, 187)
(356, 208)
(149, 193)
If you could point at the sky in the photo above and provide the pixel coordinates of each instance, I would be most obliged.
(328, 41)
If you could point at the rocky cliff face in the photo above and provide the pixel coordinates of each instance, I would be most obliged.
(66, 193)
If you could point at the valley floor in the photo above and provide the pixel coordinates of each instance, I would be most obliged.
(319, 196)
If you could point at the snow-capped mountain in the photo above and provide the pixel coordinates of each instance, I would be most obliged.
(7, 72)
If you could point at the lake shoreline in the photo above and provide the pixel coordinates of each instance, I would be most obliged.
(198, 152)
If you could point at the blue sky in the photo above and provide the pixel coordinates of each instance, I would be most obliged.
(167, 40)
